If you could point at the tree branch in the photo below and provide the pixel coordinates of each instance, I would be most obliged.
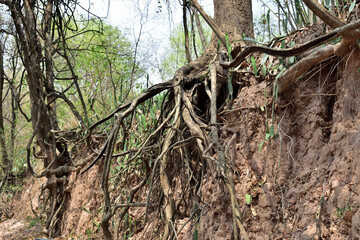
(324, 14)
(210, 21)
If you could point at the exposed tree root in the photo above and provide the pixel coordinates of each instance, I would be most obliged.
(188, 123)
(191, 117)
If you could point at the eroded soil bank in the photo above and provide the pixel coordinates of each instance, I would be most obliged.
(304, 184)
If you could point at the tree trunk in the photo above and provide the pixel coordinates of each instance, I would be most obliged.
(235, 18)
(43, 111)
(6, 163)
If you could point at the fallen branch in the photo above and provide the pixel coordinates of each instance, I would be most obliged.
(302, 66)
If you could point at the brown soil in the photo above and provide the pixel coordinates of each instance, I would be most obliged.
(310, 172)
(304, 183)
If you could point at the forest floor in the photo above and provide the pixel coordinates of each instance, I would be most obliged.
(20, 223)
(20, 229)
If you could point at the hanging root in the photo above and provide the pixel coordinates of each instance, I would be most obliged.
(164, 179)
(190, 113)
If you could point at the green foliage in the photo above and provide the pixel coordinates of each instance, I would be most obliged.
(340, 212)
(103, 60)
(144, 121)
(33, 221)
(270, 130)
(196, 234)
(175, 56)
(253, 63)
(248, 199)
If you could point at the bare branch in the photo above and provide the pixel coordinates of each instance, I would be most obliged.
(328, 17)
(210, 21)
(199, 28)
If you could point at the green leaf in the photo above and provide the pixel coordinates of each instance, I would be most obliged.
(267, 136)
(352, 6)
(271, 130)
(264, 59)
(292, 59)
(264, 69)
(260, 145)
(253, 63)
(228, 45)
(248, 199)
(279, 74)
(143, 121)
(283, 44)
(87, 211)
(196, 234)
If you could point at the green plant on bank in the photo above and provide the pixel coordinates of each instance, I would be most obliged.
(129, 226)
(196, 232)
(95, 228)
(340, 212)
(34, 221)
(144, 121)
(270, 130)
(277, 69)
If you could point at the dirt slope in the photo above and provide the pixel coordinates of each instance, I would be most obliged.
(311, 171)
(304, 184)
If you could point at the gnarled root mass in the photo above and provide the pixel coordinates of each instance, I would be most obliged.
(188, 135)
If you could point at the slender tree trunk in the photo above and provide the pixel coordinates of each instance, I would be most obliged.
(14, 109)
(186, 33)
(6, 163)
(200, 29)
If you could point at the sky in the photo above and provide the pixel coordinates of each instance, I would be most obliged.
(152, 18)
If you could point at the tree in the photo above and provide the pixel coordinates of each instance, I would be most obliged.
(51, 44)
(5, 163)
(182, 88)
(195, 93)
(37, 48)
(102, 57)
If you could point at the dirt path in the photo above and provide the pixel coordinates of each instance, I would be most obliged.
(19, 229)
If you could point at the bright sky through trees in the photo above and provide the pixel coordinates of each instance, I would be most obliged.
(152, 19)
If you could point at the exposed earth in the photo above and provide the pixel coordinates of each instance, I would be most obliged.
(304, 183)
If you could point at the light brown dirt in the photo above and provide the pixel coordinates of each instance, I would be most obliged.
(319, 158)
(304, 184)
